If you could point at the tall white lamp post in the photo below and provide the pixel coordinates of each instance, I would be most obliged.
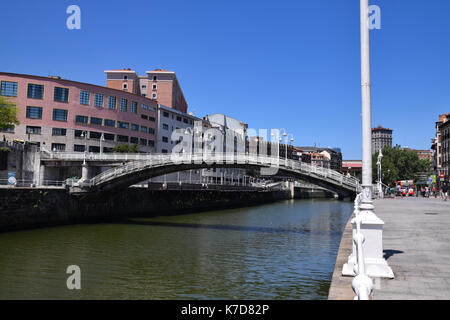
(371, 225)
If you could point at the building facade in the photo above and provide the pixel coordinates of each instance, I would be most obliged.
(325, 157)
(158, 85)
(381, 137)
(64, 115)
(437, 144)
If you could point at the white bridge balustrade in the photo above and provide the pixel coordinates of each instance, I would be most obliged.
(134, 163)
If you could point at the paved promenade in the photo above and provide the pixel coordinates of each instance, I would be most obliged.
(416, 242)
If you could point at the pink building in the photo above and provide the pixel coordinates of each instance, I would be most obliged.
(159, 85)
(57, 114)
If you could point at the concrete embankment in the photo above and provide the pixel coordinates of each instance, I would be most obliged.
(22, 208)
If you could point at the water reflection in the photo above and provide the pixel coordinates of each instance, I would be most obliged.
(284, 250)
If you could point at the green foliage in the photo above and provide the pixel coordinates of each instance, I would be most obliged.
(126, 148)
(8, 114)
(399, 164)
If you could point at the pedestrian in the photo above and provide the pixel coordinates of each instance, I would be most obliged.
(434, 191)
(444, 192)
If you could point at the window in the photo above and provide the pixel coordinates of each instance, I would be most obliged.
(165, 139)
(123, 125)
(165, 126)
(144, 86)
(134, 140)
(59, 132)
(81, 119)
(134, 127)
(165, 114)
(151, 143)
(35, 91)
(61, 94)
(59, 115)
(164, 151)
(143, 116)
(98, 101)
(97, 121)
(154, 78)
(8, 130)
(191, 121)
(121, 138)
(8, 89)
(143, 142)
(185, 120)
(152, 119)
(178, 118)
(151, 130)
(34, 112)
(110, 123)
(154, 87)
(125, 77)
(78, 148)
(144, 106)
(123, 105)
(134, 106)
(144, 129)
(58, 147)
(154, 96)
(33, 130)
(84, 97)
(95, 135)
(151, 108)
(109, 136)
(125, 86)
(94, 149)
(112, 103)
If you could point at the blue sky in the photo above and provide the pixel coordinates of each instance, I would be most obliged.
(273, 64)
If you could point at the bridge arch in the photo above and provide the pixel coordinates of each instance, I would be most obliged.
(156, 165)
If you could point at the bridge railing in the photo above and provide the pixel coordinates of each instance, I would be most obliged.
(167, 159)
(362, 284)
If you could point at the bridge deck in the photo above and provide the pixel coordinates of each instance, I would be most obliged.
(416, 242)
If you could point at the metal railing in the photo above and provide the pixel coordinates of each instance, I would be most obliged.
(362, 284)
(154, 160)
(5, 183)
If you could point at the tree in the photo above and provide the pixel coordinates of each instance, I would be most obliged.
(126, 148)
(399, 164)
(8, 114)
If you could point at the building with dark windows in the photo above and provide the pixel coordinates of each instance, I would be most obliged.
(441, 147)
(381, 137)
(58, 114)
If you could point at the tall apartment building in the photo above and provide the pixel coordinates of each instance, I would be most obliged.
(381, 137)
(159, 85)
(440, 145)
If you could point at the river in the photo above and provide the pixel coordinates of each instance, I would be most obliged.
(283, 250)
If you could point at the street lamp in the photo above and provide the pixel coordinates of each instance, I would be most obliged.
(84, 167)
(102, 139)
(380, 186)
(371, 225)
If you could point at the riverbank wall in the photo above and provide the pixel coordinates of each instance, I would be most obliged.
(22, 208)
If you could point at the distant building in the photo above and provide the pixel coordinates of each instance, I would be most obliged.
(352, 167)
(440, 145)
(423, 154)
(325, 157)
(223, 123)
(159, 85)
(381, 137)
